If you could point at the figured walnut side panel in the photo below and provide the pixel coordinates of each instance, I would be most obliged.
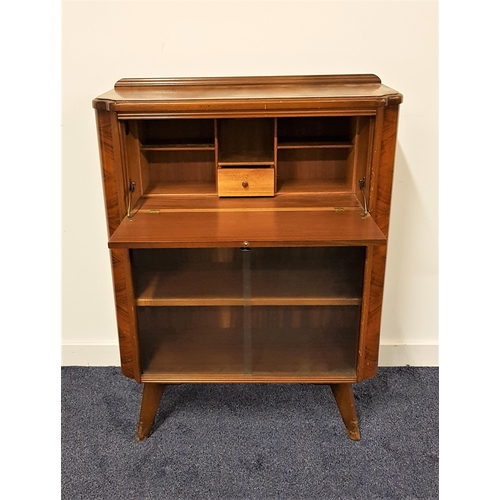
(110, 168)
(380, 203)
(380, 211)
(125, 314)
(371, 338)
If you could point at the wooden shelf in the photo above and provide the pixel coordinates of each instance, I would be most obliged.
(304, 144)
(216, 287)
(281, 202)
(318, 186)
(188, 287)
(178, 147)
(192, 188)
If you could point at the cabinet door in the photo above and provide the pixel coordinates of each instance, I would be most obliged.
(189, 312)
(264, 314)
(305, 311)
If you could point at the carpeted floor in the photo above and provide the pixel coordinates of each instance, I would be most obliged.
(250, 441)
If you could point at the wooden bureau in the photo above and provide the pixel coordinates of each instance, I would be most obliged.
(248, 220)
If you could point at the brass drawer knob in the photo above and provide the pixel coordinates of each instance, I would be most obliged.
(244, 184)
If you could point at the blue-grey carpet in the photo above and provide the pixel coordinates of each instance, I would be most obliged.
(250, 441)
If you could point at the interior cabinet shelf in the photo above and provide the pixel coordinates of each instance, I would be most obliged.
(312, 201)
(294, 186)
(244, 160)
(219, 287)
(177, 147)
(186, 188)
(304, 144)
(248, 223)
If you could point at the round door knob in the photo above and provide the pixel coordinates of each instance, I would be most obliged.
(244, 184)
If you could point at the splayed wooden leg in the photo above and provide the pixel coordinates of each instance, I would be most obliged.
(151, 397)
(345, 402)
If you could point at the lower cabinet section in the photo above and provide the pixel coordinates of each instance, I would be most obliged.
(248, 315)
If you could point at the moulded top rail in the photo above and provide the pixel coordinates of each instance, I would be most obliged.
(280, 92)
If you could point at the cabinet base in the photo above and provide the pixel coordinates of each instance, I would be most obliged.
(152, 394)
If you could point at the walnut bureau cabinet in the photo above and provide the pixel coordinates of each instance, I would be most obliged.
(248, 221)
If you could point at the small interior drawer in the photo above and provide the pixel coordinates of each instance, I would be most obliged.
(246, 181)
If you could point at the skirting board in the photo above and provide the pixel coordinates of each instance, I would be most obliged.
(83, 354)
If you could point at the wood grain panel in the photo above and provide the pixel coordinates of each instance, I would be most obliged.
(109, 156)
(374, 313)
(380, 209)
(133, 160)
(362, 161)
(259, 229)
(125, 314)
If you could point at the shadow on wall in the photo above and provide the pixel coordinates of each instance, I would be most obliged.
(412, 249)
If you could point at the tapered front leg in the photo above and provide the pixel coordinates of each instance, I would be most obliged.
(151, 397)
(345, 402)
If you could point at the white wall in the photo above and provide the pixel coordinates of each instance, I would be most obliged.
(104, 41)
